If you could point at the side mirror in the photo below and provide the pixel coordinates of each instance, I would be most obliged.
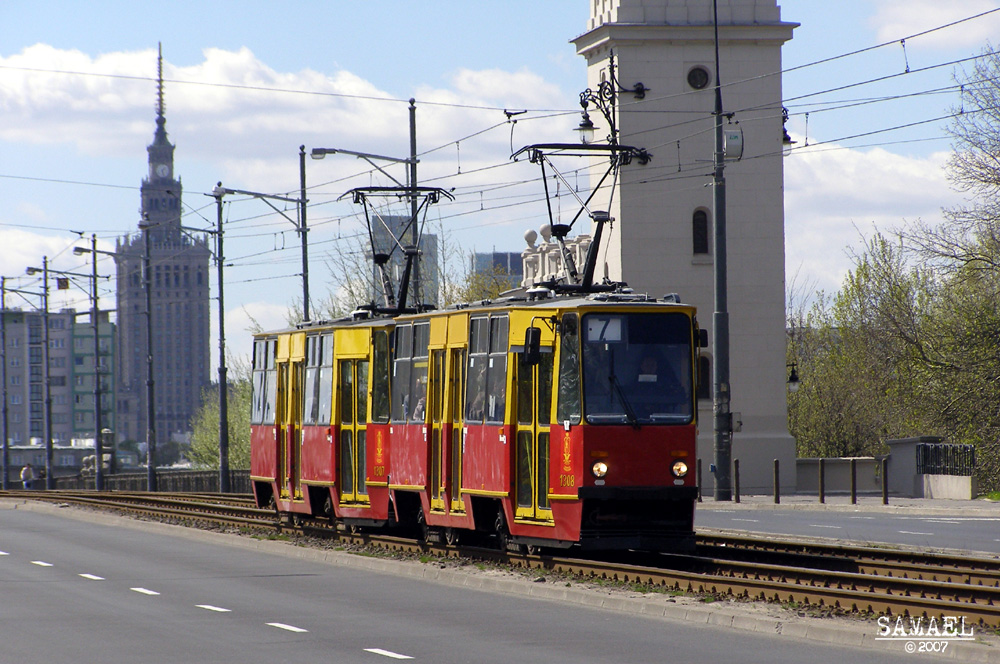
(533, 345)
(702, 338)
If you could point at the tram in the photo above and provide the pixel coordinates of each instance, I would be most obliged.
(560, 415)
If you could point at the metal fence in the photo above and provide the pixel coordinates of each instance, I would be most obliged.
(200, 481)
(945, 459)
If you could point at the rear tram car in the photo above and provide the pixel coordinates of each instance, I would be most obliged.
(551, 422)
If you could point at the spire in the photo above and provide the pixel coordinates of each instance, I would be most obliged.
(161, 107)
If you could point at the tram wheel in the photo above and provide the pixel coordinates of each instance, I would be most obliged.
(502, 533)
(451, 536)
(423, 528)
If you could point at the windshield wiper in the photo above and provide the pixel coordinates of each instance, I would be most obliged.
(629, 413)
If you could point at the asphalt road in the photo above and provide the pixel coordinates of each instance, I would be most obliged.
(106, 591)
(960, 525)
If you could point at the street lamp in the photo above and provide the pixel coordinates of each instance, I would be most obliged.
(605, 100)
(300, 226)
(95, 322)
(3, 373)
(47, 427)
(793, 378)
(218, 192)
(411, 186)
(98, 452)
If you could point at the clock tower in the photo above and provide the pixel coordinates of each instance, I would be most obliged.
(178, 304)
(161, 193)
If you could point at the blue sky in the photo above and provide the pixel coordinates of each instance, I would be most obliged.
(73, 147)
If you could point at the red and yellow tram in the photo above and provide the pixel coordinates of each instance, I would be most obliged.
(544, 421)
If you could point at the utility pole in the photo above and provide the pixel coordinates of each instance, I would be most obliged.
(50, 481)
(723, 424)
(417, 292)
(98, 419)
(223, 384)
(303, 232)
(3, 377)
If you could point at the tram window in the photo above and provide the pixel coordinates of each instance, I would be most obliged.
(401, 373)
(362, 392)
(524, 396)
(476, 380)
(257, 414)
(380, 377)
(496, 370)
(568, 405)
(346, 392)
(264, 382)
(545, 388)
(644, 377)
(270, 396)
(310, 395)
(418, 373)
(325, 396)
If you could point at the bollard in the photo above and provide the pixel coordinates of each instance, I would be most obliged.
(854, 481)
(699, 479)
(885, 481)
(777, 484)
(822, 480)
(736, 478)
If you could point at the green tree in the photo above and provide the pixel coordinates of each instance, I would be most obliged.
(204, 452)
(910, 345)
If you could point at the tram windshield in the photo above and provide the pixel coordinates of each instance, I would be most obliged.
(637, 368)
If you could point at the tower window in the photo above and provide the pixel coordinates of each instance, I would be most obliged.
(698, 78)
(699, 232)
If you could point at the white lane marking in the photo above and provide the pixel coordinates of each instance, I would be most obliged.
(209, 607)
(290, 628)
(41, 563)
(910, 532)
(145, 591)
(951, 521)
(816, 525)
(862, 517)
(4, 553)
(92, 577)
(387, 653)
(748, 520)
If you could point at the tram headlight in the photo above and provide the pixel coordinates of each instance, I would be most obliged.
(599, 469)
(679, 469)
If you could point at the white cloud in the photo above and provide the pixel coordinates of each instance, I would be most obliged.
(835, 195)
(897, 19)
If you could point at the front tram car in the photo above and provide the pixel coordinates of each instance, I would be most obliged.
(578, 423)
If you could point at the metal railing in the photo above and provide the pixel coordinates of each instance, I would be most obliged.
(945, 459)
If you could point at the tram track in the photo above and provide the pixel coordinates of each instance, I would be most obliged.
(846, 578)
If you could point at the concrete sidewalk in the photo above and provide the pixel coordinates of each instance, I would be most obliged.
(866, 503)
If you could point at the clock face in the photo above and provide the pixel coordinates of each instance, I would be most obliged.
(163, 170)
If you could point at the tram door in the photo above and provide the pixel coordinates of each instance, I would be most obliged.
(456, 388)
(353, 430)
(289, 418)
(436, 394)
(534, 404)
